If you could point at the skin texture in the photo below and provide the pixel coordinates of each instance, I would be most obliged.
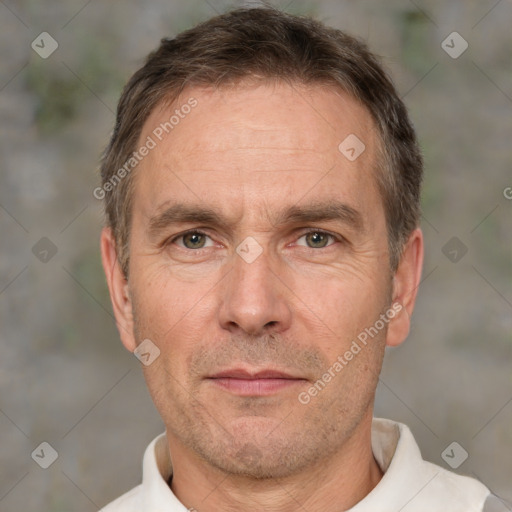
(250, 153)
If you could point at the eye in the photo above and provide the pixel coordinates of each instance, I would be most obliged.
(317, 239)
(195, 239)
(192, 240)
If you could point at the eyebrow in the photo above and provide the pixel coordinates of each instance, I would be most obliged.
(331, 210)
(322, 211)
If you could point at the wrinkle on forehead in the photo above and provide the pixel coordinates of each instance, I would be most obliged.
(251, 142)
(247, 118)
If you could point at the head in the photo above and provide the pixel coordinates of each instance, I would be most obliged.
(262, 200)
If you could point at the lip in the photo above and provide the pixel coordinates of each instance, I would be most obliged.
(240, 373)
(254, 383)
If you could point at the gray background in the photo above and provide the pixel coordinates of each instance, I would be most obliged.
(65, 378)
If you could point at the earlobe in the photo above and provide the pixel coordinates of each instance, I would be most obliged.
(405, 288)
(118, 288)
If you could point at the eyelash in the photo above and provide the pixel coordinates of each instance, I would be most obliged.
(310, 230)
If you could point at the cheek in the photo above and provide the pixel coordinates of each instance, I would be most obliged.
(164, 303)
(177, 316)
(344, 302)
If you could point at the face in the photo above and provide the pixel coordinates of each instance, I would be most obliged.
(258, 254)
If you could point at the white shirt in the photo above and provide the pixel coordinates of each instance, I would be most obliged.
(409, 484)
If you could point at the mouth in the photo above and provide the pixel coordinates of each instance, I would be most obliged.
(254, 383)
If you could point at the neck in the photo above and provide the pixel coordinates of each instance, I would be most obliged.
(331, 485)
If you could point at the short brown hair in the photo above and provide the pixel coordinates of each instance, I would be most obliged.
(265, 42)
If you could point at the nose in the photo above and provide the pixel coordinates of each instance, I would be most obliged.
(254, 298)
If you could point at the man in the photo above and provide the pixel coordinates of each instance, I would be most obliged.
(262, 248)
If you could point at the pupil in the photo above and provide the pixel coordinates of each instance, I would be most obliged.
(317, 238)
(195, 239)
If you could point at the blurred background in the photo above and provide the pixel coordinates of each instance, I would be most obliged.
(65, 378)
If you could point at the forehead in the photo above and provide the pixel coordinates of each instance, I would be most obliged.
(261, 141)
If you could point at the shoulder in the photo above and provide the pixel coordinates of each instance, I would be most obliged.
(412, 484)
(456, 492)
(128, 502)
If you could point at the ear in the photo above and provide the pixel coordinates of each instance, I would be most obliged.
(405, 287)
(118, 288)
